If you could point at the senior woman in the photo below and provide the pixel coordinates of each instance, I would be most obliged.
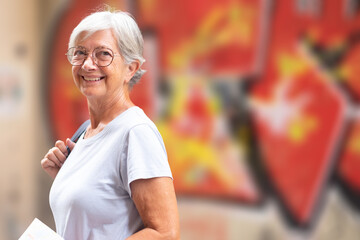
(116, 183)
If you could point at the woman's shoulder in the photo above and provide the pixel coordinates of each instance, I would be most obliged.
(132, 117)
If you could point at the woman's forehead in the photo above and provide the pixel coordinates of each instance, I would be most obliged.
(100, 38)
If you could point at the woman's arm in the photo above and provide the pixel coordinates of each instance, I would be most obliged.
(156, 203)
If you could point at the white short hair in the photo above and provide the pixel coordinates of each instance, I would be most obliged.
(127, 33)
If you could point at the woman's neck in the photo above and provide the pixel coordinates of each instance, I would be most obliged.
(103, 112)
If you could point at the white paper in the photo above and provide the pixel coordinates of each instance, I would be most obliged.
(37, 230)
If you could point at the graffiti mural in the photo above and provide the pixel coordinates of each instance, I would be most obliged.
(258, 105)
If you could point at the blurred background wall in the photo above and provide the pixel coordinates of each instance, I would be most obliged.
(19, 114)
(257, 102)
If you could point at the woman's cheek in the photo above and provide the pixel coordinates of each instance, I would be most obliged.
(76, 77)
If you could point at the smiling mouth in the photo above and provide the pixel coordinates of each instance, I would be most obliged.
(92, 79)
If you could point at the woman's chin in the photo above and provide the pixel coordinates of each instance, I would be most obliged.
(92, 93)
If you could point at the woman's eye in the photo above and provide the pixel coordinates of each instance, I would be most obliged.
(105, 53)
(79, 53)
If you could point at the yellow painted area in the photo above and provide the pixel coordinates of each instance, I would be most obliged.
(193, 157)
(189, 153)
(179, 96)
(291, 65)
(300, 128)
(354, 145)
(343, 72)
(237, 29)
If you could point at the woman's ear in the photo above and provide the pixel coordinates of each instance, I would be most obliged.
(132, 69)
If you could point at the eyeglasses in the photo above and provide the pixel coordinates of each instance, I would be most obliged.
(102, 56)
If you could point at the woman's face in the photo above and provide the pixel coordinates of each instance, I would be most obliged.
(102, 83)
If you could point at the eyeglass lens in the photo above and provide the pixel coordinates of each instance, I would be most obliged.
(102, 56)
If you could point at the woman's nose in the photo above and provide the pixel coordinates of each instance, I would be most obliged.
(89, 63)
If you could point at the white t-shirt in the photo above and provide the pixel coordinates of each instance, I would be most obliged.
(90, 196)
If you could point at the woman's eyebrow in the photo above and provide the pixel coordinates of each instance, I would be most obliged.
(103, 46)
(79, 46)
(100, 46)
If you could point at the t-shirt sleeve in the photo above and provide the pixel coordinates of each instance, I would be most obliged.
(145, 155)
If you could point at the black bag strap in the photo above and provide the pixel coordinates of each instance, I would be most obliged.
(78, 133)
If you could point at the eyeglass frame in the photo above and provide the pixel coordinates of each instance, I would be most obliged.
(92, 55)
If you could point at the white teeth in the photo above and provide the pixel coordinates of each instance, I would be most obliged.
(91, 79)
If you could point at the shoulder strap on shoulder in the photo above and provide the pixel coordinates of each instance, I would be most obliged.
(80, 131)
